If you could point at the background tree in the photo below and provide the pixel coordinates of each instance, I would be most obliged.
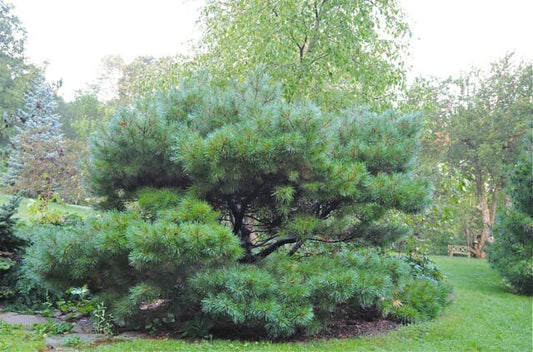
(331, 51)
(146, 75)
(445, 222)
(110, 71)
(40, 123)
(120, 83)
(85, 115)
(13, 35)
(478, 127)
(41, 161)
(512, 252)
(15, 73)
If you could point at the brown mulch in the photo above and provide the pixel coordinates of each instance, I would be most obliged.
(345, 328)
(339, 328)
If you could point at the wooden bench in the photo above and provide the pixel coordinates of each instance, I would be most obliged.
(454, 249)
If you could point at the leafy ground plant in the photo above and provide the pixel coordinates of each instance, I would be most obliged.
(52, 327)
(73, 341)
(102, 320)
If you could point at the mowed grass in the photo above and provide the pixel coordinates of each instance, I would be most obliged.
(25, 211)
(484, 317)
(14, 338)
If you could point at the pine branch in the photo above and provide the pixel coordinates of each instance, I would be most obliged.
(273, 247)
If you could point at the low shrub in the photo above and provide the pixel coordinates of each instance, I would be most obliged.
(285, 296)
(136, 267)
(419, 300)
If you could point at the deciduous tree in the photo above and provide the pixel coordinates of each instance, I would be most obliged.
(483, 118)
(15, 73)
(331, 51)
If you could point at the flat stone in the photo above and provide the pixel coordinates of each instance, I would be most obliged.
(26, 320)
(59, 340)
(83, 326)
(131, 335)
(81, 329)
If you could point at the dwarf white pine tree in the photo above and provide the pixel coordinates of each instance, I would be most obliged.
(39, 138)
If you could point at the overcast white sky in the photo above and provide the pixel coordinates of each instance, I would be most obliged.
(449, 36)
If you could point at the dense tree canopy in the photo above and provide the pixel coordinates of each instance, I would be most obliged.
(331, 51)
(281, 173)
(474, 132)
(12, 34)
(486, 122)
(15, 73)
(84, 116)
(216, 176)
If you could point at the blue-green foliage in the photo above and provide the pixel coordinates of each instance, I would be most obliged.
(127, 260)
(236, 175)
(297, 173)
(153, 200)
(10, 244)
(40, 125)
(287, 296)
(182, 260)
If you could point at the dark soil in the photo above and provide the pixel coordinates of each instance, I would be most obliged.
(344, 328)
(339, 328)
(354, 322)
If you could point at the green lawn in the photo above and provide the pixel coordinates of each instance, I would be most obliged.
(25, 208)
(13, 338)
(484, 317)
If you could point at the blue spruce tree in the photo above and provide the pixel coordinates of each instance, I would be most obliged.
(39, 138)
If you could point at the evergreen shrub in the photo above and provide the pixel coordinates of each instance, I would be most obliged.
(512, 252)
(183, 269)
(11, 246)
(253, 211)
(285, 296)
(131, 263)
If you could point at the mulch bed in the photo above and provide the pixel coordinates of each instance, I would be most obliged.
(339, 328)
(343, 328)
